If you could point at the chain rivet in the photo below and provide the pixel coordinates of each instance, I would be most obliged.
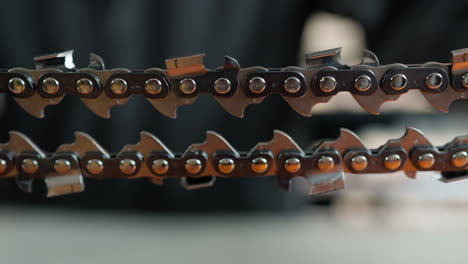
(465, 80)
(62, 166)
(257, 85)
(118, 86)
(325, 163)
(50, 85)
(95, 166)
(226, 165)
(460, 159)
(160, 166)
(187, 86)
(434, 80)
(127, 166)
(84, 86)
(426, 160)
(292, 85)
(292, 165)
(16, 85)
(193, 166)
(363, 83)
(392, 161)
(327, 84)
(259, 165)
(359, 163)
(153, 86)
(222, 86)
(30, 166)
(398, 82)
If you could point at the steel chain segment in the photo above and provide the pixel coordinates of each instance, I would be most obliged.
(324, 166)
(233, 87)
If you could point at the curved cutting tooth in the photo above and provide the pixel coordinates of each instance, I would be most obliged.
(148, 143)
(96, 62)
(412, 137)
(102, 105)
(83, 143)
(461, 140)
(213, 143)
(369, 58)
(18, 144)
(236, 104)
(332, 179)
(35, 104)
(303, 105)
(330, 57)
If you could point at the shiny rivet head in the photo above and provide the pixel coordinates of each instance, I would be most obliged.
(292, 85)
(460, 159)
(62, 166)
(50, 85)
(426, 160)
(259, 165)
(465, 80)
(257, 85)
(392, 162)
(327, 84)
(95, 166)
(222, 86)
(434, 80)
(160, 166)
(359, 163)
(362, 83)
(193, 166)
(127, 166)
(292, 165)
(84, 86)
(3, 166)
(398, 82)
(153, 86)
(16, 85)
(30, 166)
(187, 86)
(118, 86)
(226, 165)
(325, 163)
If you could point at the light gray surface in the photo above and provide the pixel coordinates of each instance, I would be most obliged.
(43, 235)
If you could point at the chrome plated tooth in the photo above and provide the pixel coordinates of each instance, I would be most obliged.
(60, 60)
(330, 57)
(148, 143)
(102, 105)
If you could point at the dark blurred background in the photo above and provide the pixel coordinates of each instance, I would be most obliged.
(141, 34)
(376, 219)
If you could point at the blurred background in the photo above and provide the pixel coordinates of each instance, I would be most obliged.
(377, 218)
